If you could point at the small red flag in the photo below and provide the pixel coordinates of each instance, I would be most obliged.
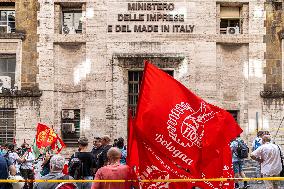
(58, 145)
(45, 136)
(65, 169)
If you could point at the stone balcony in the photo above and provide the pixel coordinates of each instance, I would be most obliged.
(70, 38)
(17, 35)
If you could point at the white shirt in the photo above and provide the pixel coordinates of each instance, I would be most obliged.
(13, 157)
(28, 164)
(270, 155)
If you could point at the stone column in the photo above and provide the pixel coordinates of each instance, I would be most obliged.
(282, 58)
(245, 19)
(218, 19)
(57, 19)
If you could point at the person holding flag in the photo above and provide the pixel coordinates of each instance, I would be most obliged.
(26, 168)
(46, 141)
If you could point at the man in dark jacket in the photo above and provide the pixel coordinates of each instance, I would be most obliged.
(97, 149)
(81, 165)
(102, 157)
(5, 167)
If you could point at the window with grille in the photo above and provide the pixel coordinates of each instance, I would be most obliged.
(7, 21)
(70, 126)
(72, 21)
(7, 125)
(7, 70)
(134, 81)
(235, 114)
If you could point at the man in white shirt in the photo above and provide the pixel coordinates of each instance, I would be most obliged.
(13, 157)
(26, 168)
(257, 142)
(268, 155)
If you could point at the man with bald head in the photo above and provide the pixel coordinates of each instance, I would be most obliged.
(268, 154)
(113, 171)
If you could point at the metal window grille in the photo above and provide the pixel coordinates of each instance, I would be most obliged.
(7, 125)
(7, 21)
(134, 82)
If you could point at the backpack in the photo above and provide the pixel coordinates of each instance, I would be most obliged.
(242, 150)
(76, 167)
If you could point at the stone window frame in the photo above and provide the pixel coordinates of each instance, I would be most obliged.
(132, 104)
(73, 12)
(244, 15)
(18, 53)
(8, 72)
(6, 128)
(10, 7)
(235, 114)
(60, 7)
(120, 65)
(7, 25)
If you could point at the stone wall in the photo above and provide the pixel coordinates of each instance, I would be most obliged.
(26, 22)
(226, 70)
(272, 104)
(273, 54)
(273, 114)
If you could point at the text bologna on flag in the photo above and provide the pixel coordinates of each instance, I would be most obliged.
(182, 128)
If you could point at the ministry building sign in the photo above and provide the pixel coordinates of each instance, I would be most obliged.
(154, 17)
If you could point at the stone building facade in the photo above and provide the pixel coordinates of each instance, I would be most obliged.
(79, 62)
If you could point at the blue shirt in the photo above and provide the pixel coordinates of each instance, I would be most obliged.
(4, 167)
(123, 156)
(234, 146)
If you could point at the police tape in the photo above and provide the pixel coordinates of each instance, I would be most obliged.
(154, 180)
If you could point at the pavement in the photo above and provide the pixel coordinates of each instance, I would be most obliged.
(251, 172)
(255, 185)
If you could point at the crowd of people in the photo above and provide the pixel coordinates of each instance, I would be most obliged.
(105, 161)
(267, 154)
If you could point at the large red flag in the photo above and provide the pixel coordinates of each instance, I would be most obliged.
(132, 149)
(220, 167)
(180, 126)
(156, 166)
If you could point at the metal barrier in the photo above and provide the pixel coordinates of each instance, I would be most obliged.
(155, 180)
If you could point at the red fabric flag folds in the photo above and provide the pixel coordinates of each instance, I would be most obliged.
(47, 137)
(180, 135)
(132, 150)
